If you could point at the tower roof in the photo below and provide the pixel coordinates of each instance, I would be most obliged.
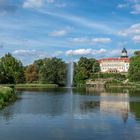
(124, 50)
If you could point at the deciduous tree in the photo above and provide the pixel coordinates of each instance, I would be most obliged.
(134, 70)
(31, 73)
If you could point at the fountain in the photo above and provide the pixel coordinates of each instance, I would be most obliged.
(70, 74)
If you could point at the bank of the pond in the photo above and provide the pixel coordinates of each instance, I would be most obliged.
(129, 85)
(36, 86)
(102, 84)
(26, 85)
(7, 95)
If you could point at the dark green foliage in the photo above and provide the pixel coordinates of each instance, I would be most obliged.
(48, 70)
(134, 70)
(6, 95)
(116, 76)
(135, 108)
(137, 52)
(11, 70)
(84, 68)
(52, 70)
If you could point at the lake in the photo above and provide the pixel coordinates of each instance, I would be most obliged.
(70, 114)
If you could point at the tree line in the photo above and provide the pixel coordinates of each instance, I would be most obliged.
(47, 70)
(54, 70)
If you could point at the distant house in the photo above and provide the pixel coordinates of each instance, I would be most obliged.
(115, 65)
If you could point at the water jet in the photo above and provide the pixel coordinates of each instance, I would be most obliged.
(70, 73)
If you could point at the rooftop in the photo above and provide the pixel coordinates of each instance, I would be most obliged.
(114, 59)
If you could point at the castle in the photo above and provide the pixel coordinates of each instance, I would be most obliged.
(115, 65)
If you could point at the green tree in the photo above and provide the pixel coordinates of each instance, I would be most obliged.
(11, 70)
(84, 68)
(137, 52)
(134, 69)
(53, 71)
(40, 62)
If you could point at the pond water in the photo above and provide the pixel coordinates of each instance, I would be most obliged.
(66, 114)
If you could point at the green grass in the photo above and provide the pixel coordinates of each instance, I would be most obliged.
(7, 95)
(36, 85)
(28, 85)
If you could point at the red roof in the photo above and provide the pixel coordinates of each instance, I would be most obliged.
(114, 59)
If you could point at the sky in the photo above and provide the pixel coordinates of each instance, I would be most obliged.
(68, 29)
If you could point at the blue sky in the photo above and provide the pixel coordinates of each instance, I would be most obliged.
(33, 29)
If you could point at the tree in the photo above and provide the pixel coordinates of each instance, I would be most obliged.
(31, 73)
(137, 52)
(11, 70)
(40, 62)
(134, 69)
(53, 71)
(84, 68)
(95, 65)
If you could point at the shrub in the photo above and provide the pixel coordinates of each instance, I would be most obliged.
(6, 95)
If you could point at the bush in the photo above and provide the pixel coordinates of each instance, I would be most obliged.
(6, 95)
(115, 76)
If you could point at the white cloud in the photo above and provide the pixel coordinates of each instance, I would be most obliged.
(136, 39)
(45, 54)
(85, 40)
(36, 3)
(79, 52)
(28, 56)
(58, 33)
(132, 30)
(117, 53)
(42, 54)
(135, 28)
(136, 8)
(122, 33)
(79, 40)
(101, 53)
(133, 5)
(101, 40)
(57, 53)
(85, 52)
(124, 5)
(25, 52)
(33, 3)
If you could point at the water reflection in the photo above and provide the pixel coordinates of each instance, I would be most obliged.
(67, 101)
(117, 103)
(59, 102)
(71, 114)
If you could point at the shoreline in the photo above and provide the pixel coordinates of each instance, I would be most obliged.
(18, 86)
(26, 85)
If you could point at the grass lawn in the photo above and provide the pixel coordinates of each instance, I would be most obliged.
(36, 85)
(28, 85)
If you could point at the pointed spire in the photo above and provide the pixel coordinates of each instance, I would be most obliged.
(124, 50)
(124, 53)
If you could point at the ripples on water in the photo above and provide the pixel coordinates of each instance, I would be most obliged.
(67, 114)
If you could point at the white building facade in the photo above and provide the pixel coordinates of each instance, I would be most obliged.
(115, 65)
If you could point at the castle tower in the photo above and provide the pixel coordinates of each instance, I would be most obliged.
(124, 53)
